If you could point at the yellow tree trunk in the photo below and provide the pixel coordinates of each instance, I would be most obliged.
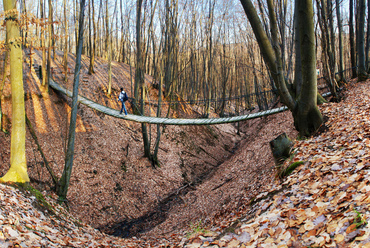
(18, 165)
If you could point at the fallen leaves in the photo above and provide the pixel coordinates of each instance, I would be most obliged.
(24, 225)
(325, 202)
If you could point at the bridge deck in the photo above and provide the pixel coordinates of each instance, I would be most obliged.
(161, 120)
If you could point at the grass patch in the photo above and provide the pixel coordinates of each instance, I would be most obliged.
(359, 219)
(290, 168)
(195, 228)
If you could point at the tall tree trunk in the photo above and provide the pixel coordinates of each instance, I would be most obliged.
(352, 40)
(139, 78)
(225, 71)
(298, 81)
(109, 49)
(367, 38)
(210, 59)
(122, 52)
(50, 42)
(340, 38)
(362, 75)
(154, 157)
(24, 30)
(280, 77)
(327, 46)
(307, 117)
(138, 72)
(43, 47)
(268, 53)
(92, 38)
(2, 90)
(64, 180)
(332, 56)
(75, 16)
(18, 165)
(65, 58)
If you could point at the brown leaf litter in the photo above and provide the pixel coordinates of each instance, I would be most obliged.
(325, 202)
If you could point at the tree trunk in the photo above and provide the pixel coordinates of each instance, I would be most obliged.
(298, 81)
(362, 75)
(307, 117)
(327, 46)
(139, 78)
(331, 51)
(138, 71)
(109, 49)
(352, 40)
(340, 38)
(92, 38)
(268, 53)
(2, 90)
(43, 47)
(122, 52)
(367, 48)
(65, 58)
(64, 180)
(50, 42)
(18, 165)
(225, 76)
(209, 68)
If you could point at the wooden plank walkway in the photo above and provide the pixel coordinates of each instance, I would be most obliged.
(161, 120)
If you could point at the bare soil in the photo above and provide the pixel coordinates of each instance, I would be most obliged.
(206, 172)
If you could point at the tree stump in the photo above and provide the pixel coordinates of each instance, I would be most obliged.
(281, 147)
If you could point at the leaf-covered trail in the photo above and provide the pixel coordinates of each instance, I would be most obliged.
(325, 202)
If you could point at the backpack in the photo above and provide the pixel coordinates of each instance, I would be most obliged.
(123, 97)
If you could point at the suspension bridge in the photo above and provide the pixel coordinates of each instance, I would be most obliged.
(161, 120)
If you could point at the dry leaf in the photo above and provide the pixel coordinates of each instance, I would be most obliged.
(351, 228)
(339, 238)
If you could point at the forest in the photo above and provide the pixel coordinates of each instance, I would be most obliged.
(184, 62)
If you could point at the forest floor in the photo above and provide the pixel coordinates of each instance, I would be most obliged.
(214, 187)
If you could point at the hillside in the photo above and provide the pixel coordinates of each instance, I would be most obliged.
(213, 187)
(324, 202)
(111, 181)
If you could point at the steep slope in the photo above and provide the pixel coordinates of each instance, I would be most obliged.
(26, 223)
(323, 203)
(228, 187)
(111, 181)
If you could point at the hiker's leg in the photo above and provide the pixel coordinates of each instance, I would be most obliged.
(124, 107)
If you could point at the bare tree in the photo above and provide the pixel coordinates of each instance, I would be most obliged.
(18, 164)
(139, 78)
(108, 48)
(352, 40)
(50, 41)
(64, 180)
(307, 117)
(362, 75)
(92, 37)
(327, 41)
(340, 38)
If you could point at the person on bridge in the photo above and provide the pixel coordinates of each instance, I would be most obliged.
(123, 98)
